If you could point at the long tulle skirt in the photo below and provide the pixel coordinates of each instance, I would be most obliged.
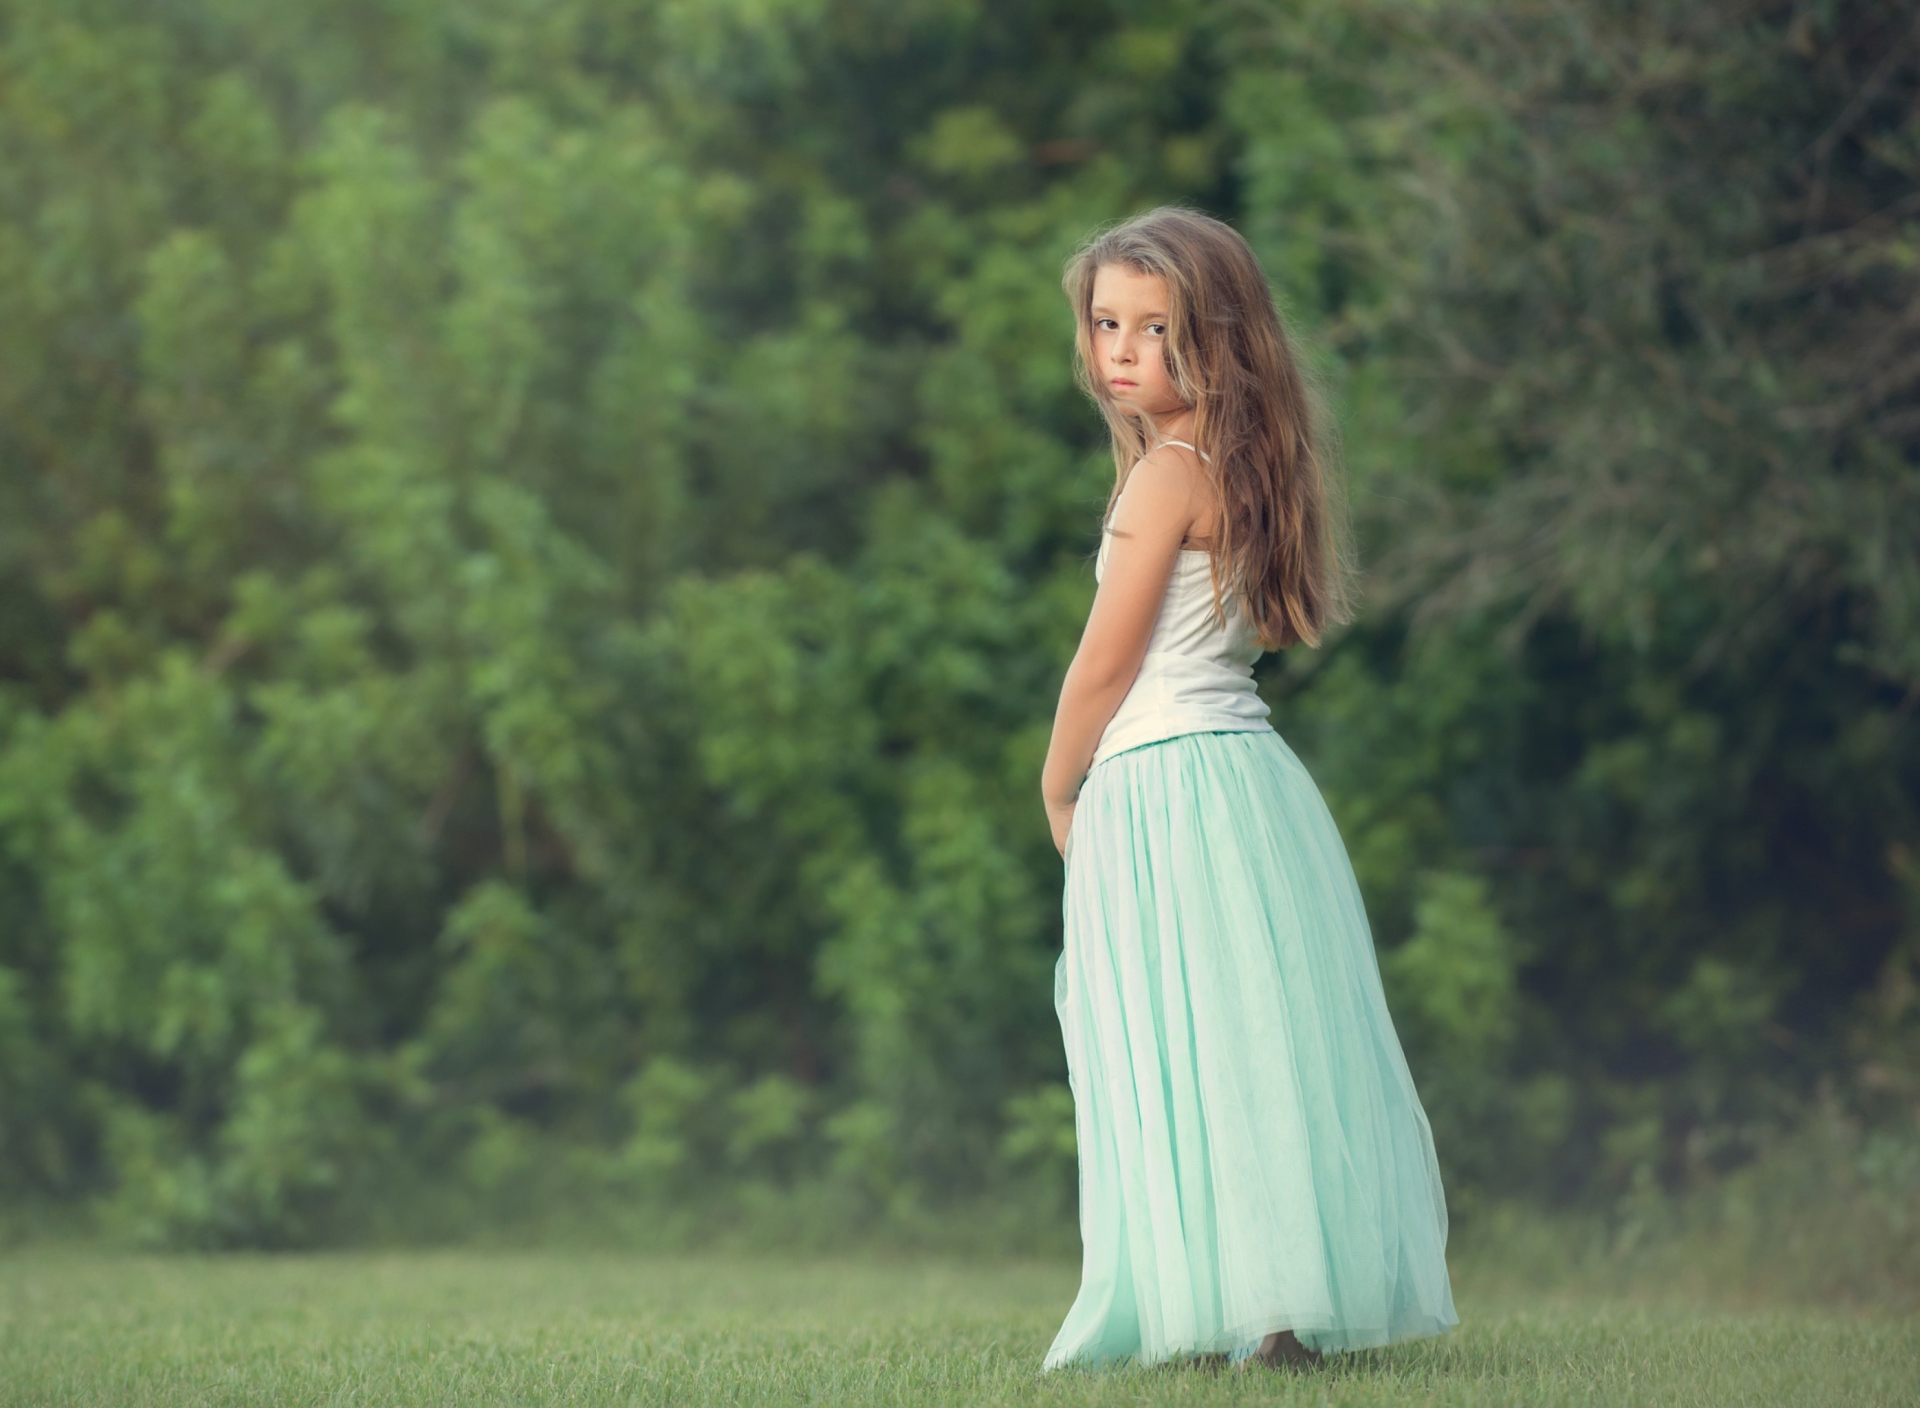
(1253, 1156)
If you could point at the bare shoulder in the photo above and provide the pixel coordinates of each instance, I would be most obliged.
(1167, 469)
(1164, 489)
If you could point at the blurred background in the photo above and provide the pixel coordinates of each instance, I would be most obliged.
(539, 540)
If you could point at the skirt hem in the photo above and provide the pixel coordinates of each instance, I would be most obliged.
(1240, 1341)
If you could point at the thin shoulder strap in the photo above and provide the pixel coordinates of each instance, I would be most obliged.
(1185, 446)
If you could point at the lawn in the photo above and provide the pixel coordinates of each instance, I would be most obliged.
(488, 1327)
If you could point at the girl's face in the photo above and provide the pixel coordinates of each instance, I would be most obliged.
(1129, 340)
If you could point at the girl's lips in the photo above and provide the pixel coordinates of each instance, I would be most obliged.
(1120, 381)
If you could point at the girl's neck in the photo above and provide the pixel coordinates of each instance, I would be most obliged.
(1175, 425)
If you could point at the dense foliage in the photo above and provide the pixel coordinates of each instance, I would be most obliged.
(538, 542)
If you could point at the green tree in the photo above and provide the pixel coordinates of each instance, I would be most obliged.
(537, 545)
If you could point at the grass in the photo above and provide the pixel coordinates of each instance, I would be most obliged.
(545, 1328)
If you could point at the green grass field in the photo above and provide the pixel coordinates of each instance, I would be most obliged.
(489, 1327)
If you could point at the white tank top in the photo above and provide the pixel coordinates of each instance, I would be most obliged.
(1196, 677)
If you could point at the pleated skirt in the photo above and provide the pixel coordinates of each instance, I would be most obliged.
(1252, 1153)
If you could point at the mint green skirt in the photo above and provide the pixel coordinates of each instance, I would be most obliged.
(1253, 1156)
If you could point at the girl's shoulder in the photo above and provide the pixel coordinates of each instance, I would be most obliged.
(1167, 482)
(1171, 462)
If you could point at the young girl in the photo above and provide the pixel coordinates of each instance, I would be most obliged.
(1257, 1176)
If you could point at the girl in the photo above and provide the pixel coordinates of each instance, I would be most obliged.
(1257, 1176)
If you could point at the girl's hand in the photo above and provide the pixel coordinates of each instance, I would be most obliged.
(1060, 819)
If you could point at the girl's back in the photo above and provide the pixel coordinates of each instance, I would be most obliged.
(1197, 674)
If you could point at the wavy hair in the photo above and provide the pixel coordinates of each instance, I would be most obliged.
(1282, 538)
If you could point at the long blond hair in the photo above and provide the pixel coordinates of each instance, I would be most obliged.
(1282, 537)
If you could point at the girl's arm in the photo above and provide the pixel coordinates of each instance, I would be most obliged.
(1152, 516)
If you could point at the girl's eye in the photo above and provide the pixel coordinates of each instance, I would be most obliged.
(1105, 323)
(1158, 328)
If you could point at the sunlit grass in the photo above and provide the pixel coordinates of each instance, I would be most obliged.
(447, 1328)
